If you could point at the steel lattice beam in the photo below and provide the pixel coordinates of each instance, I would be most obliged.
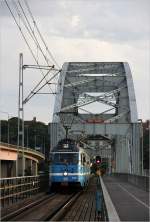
(90, 99)
(78, 83)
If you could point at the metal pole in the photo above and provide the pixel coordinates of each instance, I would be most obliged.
(22, 99)
(20, 116)
(18, 138)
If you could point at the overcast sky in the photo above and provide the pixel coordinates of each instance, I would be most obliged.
(76, 30)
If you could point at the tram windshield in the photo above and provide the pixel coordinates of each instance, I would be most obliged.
(65, 158)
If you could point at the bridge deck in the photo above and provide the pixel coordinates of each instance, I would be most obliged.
(131, 203)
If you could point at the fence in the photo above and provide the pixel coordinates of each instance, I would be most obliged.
(15, 189)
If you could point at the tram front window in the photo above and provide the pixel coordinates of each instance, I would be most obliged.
(65, 158)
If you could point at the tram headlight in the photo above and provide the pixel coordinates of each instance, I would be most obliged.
(65, 173)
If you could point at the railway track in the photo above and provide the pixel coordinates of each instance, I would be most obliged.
(49, 208)
(15, 212)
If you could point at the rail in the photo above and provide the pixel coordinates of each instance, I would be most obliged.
(15, 189)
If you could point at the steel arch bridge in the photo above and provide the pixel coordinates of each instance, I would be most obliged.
(113, 132)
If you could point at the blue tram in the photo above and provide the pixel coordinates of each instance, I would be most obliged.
(70, 164)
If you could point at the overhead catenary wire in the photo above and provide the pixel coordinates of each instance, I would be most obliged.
(32, 34)
(28, 27)
(32, 93)
(30, 30)
(37, 85)
(38, 31)
(21, 31)
(50, 54)
(24, 37)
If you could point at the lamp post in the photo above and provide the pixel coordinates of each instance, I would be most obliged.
(22, 101)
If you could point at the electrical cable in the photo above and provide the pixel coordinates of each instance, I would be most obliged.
(38, 84)
(34, 22)
(36, 42)
(33, 93)
(33, 34)
(30, 31)
(31, 51)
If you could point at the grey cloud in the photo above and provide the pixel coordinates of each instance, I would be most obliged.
(123, 24)
(116, 20)
(109, 21)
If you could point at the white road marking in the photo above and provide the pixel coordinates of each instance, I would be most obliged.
(141, 202)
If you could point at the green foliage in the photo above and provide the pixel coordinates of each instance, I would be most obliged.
(35, 134)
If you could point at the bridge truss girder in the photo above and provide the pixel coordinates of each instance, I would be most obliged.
(112, 82)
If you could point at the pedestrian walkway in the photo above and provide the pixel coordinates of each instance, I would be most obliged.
(131, 203)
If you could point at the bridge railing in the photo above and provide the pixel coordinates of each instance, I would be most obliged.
(15, 189)
(109, 212)
(101, 208)
(20, 148)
